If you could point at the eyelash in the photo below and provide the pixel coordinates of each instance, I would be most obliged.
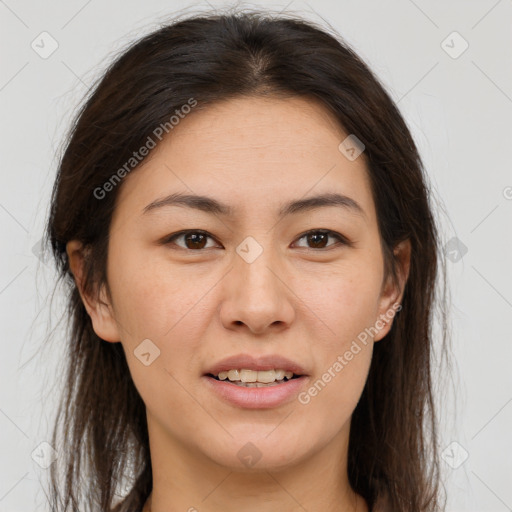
(343, 241)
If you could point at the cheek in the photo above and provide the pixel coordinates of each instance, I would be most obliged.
(348, 307)
(152, 298)
(346, 301)
(155, 302)
(329, 401)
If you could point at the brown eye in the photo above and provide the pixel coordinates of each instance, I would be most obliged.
(193, 240)
(196, 240)
(317, 239)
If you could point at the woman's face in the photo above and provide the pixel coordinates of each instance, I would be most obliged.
(252, 284)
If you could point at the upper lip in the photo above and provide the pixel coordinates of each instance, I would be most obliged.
(248, 362)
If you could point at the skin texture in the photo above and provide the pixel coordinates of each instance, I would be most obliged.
(199, 306)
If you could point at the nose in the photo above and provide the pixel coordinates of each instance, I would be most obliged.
(257, 296)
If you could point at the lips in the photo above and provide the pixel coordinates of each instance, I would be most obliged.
(248, 362)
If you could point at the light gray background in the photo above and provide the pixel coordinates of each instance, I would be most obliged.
(460, 113)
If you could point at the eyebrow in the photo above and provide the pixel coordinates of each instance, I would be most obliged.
(212, 206)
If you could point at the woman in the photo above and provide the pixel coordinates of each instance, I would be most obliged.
(243, 223)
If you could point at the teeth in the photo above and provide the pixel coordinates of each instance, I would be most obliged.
(252, 376)
(248, 376)
(231, 375)
(256, 384)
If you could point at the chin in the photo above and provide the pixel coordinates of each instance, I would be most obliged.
(258, 453)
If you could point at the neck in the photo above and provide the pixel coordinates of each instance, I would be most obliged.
(184, 480)
(360, 504)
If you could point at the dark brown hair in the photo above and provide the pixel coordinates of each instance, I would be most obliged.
(393, 456)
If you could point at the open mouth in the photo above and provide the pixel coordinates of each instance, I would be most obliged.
(256, 383)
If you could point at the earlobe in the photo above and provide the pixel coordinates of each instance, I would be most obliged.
(392, 292)
(98, 308)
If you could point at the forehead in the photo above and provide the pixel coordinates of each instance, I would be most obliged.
(273, 126)
(252, 150)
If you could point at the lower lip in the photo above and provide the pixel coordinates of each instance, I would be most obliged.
(257, 398)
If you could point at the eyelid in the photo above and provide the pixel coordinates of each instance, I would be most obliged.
(334, 234)
(167, 240)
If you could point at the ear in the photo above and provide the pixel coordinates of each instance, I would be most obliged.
(99, 309)
(392, 293)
